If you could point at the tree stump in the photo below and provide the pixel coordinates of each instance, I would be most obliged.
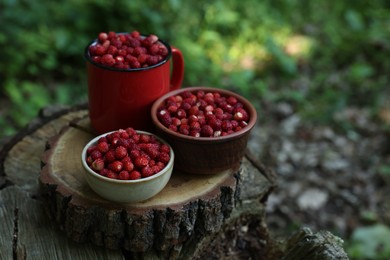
(189, 207)
(222, 217)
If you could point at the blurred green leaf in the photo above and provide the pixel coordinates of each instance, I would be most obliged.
(370, 242)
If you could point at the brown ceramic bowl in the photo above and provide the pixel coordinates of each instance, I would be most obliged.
(206, 155)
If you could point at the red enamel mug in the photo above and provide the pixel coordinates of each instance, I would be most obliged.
(121, 98)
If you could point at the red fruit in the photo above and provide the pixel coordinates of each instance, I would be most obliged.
(124, 175)
(108, 60)
(215, 124)
(165, 118)
(184, 129)
(110, 156)
(102, 36)
(195, 126)
(130, 131)
(112, 175)
(97, 164)
(232, 101)
(135, 34)
(143, 138)
(103, 147)
(141, 162)
(104, 171)
(120, 152)
(165, 149)
(134, 154)
(116, 166)
(96, 154)
(163, 157)
(128, 166)
(240, 114)
(156, 169)
(194, 110)
(206, 131)
(147, 171)
(135, 175)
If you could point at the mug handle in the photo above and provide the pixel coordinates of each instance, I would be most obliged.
(177, 75)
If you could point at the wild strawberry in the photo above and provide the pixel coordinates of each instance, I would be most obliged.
(128, 166)
(103, 147)
(184, 129)
(165, 149)
(195, 133)
(124, 175)
(104, 171)
(163, 157)
(164, 117)
(112, 175)
(109, 157)
(97, 164)
(231, 100)
(89, 160)
(215, 124)
(135, 138)
(144, 138)
(115, 166)
(195, 126)
(134, 154)
(130, 131)
(156, 169)
(135, 175)
(206, 131)
(240, 114)
(120, 152)
(141, 161)
(146, 172)
(95, 154)
(181, 113)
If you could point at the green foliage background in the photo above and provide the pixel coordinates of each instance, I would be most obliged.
(339, 58)
(322, 56)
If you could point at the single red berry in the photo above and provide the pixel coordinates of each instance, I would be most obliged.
(109, 157)
(135, 175)
(95, 154)
(103, 147)
(104, 171)
(124, 175)
(231, 100)
(240, 114)
(128, 166)
(207, 131)
(141, 161)
(116, 166)
(147, 172)
(144, 138)
(164, 148)
(165, 118)
(134, 154)
(156, 169)
(130, 131)
(120, 152)
(97, 164)
(181, 113)
(163, 157)
(112, 175)
(184, 129)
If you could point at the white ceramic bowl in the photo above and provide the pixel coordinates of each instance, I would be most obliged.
(127, 191)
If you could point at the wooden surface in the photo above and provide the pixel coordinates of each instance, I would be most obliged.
(27, 231)
(188, 207)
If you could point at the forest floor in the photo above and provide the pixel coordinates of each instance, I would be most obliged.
(326, 179)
